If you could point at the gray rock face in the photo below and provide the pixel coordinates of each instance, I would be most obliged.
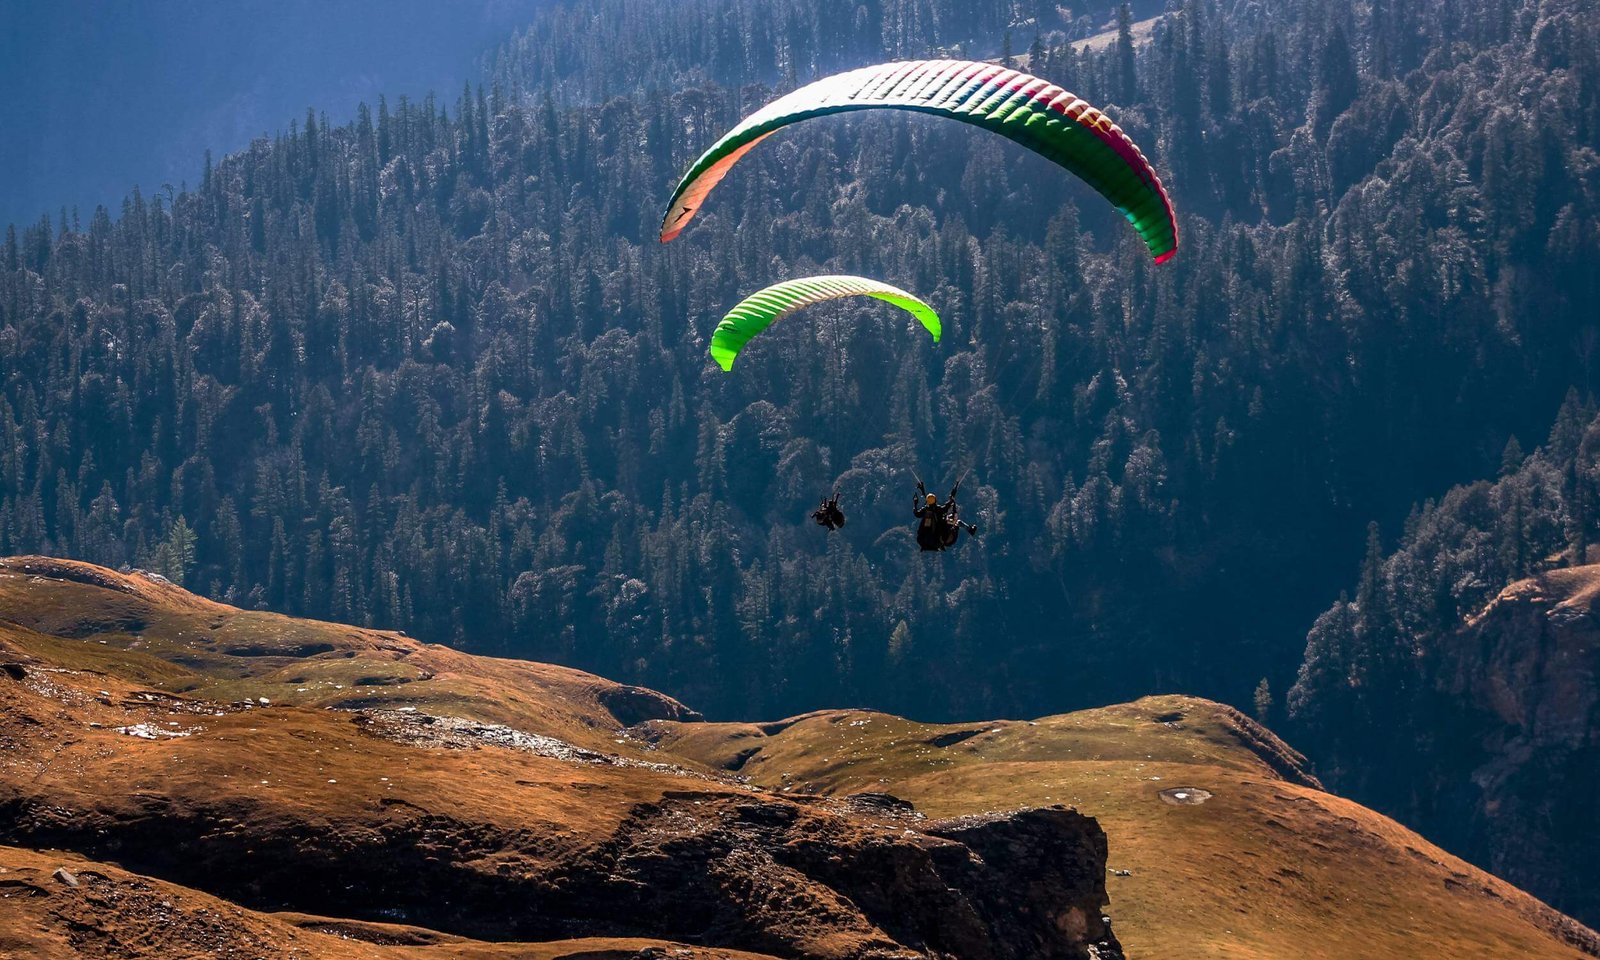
(1526, 673)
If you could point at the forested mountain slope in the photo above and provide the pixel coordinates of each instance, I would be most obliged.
(1458, 686)
(432, 371)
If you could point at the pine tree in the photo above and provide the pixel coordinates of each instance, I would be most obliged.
(175, 556)
(1263, 700)
(900, 643)
(1127, 69)
(1337, 80)
(1511, 458)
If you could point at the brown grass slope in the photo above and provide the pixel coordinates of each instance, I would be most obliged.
(1269, 866)
(193, 746)
(146, 630)
(388, 780)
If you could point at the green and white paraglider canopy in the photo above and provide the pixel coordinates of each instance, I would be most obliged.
(759, 310)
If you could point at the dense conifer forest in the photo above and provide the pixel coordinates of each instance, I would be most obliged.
(431, 370)
(1414, 698)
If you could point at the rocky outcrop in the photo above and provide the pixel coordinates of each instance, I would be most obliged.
(1051, 862)
(1520, 773)
(95, 911)
(803, 879)
(634, 705)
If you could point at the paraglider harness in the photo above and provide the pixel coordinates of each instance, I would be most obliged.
(829, 515)
(940, 523)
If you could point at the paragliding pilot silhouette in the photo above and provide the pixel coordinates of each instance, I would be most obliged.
(939, 524)
(829, 515)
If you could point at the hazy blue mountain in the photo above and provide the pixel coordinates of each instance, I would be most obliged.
(101, 97)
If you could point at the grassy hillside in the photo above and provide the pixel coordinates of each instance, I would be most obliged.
(276, 767)
(1258, 863)
(147, 631)
(293, 767)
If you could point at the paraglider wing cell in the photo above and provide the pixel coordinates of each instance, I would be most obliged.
(1035, 113)
(758, 311)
